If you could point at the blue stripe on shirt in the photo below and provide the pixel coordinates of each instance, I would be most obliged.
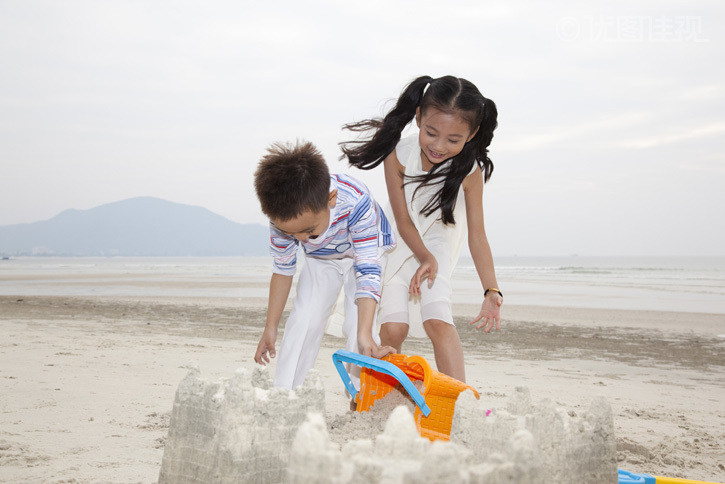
(358, 228)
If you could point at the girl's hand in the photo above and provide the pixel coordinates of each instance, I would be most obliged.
(428, 269)
(490, 315)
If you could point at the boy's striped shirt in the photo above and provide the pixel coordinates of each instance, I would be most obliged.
(358, 226)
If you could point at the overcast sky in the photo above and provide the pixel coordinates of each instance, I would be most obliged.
(611, 137)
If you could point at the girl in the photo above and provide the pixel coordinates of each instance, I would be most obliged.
(424, 174)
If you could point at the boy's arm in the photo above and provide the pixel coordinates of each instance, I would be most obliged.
(364, 228)
(365, 315)
(279, 288)
(490, 315)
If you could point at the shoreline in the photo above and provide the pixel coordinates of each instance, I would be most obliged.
(664, 284)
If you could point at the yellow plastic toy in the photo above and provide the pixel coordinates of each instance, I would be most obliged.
(626, 477)
(435, 401)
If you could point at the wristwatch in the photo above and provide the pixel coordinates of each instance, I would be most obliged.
(494, 289)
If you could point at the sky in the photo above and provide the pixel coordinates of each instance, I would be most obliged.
(611, 136)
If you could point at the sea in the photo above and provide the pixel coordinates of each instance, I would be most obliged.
(682, 284)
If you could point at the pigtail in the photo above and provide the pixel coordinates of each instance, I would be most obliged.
(367, 154)
(485, 136)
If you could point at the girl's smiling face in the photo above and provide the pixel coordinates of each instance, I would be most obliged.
(442, 136)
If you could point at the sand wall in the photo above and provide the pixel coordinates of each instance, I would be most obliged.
(243, 430)
(235, 430)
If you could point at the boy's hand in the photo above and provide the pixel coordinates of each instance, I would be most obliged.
(368, 347)
(490, 315)
(265, 348)
(428, 269)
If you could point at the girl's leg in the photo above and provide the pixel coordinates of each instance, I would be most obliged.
(447, 348)
(393, 312)
(438, 321)
(393, 334)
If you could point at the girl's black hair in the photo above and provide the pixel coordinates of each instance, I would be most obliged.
(449, 94)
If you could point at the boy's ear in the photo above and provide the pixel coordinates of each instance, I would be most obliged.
(417, 116)
(333, 198)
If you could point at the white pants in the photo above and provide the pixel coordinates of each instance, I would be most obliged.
(318, 287)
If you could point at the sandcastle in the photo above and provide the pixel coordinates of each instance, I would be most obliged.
(236, 430)
(243, 430)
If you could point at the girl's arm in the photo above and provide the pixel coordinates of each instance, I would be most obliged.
(428, 263)
(490, 315)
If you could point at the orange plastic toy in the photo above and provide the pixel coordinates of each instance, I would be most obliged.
(440, 392)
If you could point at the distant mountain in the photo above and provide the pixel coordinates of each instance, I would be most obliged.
(143, 226)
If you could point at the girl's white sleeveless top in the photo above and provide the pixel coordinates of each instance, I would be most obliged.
(447, 239)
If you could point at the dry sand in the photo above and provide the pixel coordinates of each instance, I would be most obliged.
(87, 385)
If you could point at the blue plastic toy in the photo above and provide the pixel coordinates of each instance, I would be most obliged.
(626, 477)
(381, 366)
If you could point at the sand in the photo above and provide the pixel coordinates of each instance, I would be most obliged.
(88, 384)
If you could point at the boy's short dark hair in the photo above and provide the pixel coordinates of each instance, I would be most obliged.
(292, 179)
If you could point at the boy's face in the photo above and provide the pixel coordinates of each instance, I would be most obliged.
(308, 225)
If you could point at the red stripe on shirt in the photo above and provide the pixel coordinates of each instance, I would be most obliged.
(348, 184)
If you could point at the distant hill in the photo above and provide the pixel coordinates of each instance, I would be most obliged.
(143, 226)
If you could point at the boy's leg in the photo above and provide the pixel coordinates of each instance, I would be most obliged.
(317, 289)
(349, 326)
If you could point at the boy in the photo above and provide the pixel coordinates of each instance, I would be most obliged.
(344, 234)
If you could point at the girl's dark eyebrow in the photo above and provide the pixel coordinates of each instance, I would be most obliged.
(431, 128)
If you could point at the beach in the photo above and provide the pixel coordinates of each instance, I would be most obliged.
(87, 381)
